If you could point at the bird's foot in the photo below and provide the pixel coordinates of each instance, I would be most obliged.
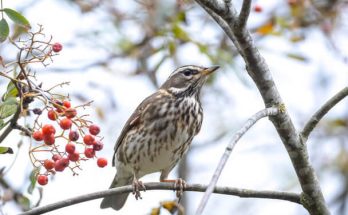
(179, 186)
(137, 187)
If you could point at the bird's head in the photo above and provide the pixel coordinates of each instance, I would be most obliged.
(187, 80)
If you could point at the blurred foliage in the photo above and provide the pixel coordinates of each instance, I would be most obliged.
(170, 206)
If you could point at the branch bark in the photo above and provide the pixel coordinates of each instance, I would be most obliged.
(317, 116)
(258, 70)
(244, 13)
(244, 193)
(250, 122)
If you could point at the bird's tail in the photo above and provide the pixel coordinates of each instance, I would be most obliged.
(117, 201)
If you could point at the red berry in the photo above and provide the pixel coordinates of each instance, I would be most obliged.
(89, 152)
(102, 162)
(61, 164)
(52, 115)
(56, 157)
(48, 129)
(73, 135)
(57, 47)
(42, 179)
(64, 161)
(49, 164)
(70, 148)
(97, 145)
(58, 166)
(65, 123)
(37, 135)
(258, 9)
(59, 110)
(66, 104)
(49, 139)
(74, 156)
(70, 112)
(94, 129)
(88, 139)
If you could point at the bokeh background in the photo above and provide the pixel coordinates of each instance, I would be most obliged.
(118, 52)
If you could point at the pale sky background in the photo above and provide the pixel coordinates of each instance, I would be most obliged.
(258, 162)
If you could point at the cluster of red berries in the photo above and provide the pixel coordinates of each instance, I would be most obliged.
(74, 149)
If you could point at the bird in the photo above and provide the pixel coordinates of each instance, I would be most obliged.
(159, 132)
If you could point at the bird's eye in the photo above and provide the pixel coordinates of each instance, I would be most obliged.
(189, 72)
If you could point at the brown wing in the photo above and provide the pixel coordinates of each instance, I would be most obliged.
(133, 121)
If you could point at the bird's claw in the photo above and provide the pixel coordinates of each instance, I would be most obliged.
(179, 186)
(137, 187)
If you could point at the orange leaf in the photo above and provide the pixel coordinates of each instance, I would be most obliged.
(266, 28)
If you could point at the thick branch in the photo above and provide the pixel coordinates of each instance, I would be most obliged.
(317, 116)
(258, 70)
(245, 193)
(251, 121)
(244, 13)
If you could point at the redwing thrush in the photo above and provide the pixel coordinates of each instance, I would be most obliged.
(159, 132)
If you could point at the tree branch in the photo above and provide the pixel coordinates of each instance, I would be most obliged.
(244, 13)
(258, 70)
(244, 193)
(250, 122)
(222, 23)
(317, 116)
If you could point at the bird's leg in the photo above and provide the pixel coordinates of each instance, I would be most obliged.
(179, 185)
(137, 187)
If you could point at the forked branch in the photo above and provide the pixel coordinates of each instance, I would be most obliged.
(272, 111)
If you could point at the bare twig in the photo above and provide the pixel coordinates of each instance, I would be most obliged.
(245, 193)
(317, 116)
(251, 121)
(244, 13)
(25, 130)
(222, 23)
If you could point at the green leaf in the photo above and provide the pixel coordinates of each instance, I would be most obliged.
(8, 107)
(3, 124)
(180, 33)
(6, 150)
(17, 18)
(171, 48)
(32, 178)
(4, 30)
(11, 91)
(298, 57)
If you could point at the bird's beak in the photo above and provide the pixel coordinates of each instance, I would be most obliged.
(209, 70)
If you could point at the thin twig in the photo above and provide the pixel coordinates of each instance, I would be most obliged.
(317, 116)
(272, 111)
(245, 193)
(25, 130)
(222, 23)
(244, 13)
